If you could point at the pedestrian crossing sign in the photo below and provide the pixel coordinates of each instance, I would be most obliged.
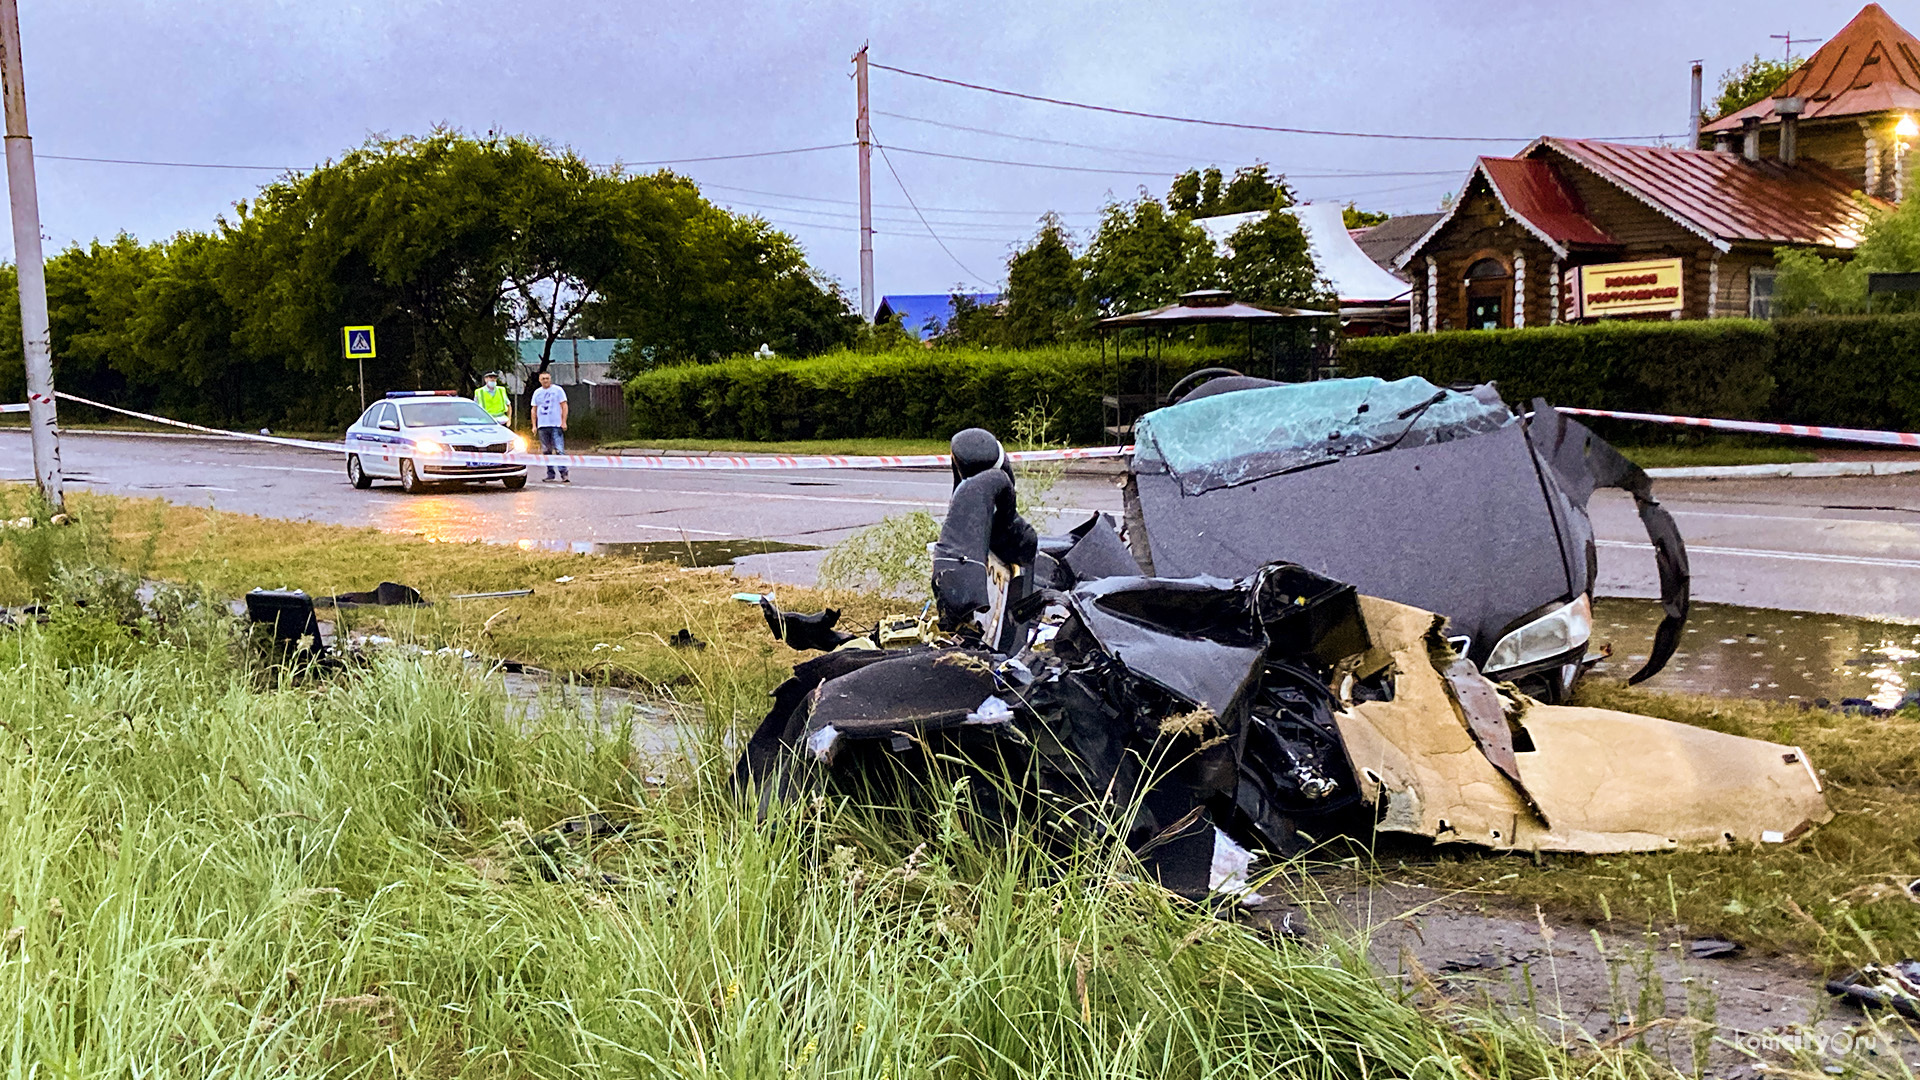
(359, 340)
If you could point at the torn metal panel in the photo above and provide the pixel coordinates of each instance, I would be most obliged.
(1594, 780)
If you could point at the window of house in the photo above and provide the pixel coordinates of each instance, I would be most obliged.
(1760, 294)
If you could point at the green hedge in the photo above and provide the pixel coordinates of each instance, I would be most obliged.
(1859, 371)
(916, 394)
(1719, 368)
(1848, 371)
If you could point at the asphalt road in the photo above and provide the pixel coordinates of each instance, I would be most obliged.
(1848, 546)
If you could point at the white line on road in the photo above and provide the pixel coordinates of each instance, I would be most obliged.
(1791, 556)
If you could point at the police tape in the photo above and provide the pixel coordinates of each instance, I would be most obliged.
(1757, 427)
(641, 462)
(18, 406)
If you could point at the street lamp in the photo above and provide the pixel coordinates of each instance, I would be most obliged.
(1906, 128)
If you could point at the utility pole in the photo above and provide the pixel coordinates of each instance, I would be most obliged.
(24, 201)
(863, 129)
(1693, 111)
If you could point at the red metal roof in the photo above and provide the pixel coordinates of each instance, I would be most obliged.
(1723, 196)
(1530, 188)
(1872, 65)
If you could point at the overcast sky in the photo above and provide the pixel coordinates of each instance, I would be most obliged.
(289, 83)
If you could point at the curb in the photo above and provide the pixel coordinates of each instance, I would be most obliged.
(1799, 470)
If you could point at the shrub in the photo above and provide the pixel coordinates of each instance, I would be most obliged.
(909, 394)
(1848, 371)
(1718, 368)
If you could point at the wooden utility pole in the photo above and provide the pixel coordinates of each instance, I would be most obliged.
(24, 201)
(863, 129)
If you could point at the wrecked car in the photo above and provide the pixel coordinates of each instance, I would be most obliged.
(1209, 721)
(1443, 499)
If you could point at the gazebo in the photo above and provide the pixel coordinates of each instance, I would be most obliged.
(1202, 307)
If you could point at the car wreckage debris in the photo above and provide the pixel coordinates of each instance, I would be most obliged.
(1209, 722)
(1893, 986)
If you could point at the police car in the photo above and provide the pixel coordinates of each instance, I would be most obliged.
(418, 436)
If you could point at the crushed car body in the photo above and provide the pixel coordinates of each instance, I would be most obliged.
(1442, 499)
(1210, 720)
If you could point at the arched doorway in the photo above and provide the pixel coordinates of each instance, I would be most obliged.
(1489, 288)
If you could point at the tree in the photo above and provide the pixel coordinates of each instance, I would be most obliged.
(1752, 81)
(1809, 282)
(1355, 218)
(1142, 256)
(1044, 287)
(1272, 263)
(1198, 194)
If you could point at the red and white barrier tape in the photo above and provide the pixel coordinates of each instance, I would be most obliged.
(643, 462)
(1757, 427)
(16, 406)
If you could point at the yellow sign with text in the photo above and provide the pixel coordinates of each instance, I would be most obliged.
(1631, 288)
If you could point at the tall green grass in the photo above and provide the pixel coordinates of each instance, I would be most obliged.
(212, 867)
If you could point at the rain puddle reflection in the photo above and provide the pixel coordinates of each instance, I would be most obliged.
(1757, 653)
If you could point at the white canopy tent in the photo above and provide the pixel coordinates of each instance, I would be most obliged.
(1356, 279)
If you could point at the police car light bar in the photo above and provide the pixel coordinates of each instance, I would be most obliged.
(419, 393)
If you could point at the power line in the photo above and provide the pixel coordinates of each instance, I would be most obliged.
(1221, 123)
(903, 206)
(740, 157)
(1034, 164)
(916, 210)
(1031, 138)
(1187, 158)
(165, 164)
(298, 168)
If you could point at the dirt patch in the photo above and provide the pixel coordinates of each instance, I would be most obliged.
(1598, 985)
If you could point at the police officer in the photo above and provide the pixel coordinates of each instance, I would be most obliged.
(494, 398)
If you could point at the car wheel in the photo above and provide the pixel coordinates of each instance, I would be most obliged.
(515, 483)
(410, 481)
(357, 474)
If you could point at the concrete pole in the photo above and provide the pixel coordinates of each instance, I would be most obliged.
(863, 129)
(24, 200)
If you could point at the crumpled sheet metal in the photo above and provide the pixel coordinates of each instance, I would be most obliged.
(1602, 781)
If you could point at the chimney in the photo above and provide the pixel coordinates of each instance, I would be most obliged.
(1750, 133)
(1789, 110)
(1721, 143)
(1693, 114)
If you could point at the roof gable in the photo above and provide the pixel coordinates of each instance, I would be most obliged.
(1533, 194)
(1872, 65)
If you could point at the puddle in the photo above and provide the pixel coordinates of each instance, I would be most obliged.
(1734, 651)
(682, 552)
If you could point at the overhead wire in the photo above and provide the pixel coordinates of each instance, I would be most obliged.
(908, 195)
(1002, 91)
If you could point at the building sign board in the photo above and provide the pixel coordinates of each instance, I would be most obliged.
(1630, 288)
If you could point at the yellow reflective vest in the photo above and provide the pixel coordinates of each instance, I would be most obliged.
(494, 399)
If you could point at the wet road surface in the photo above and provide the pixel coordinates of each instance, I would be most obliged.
(1846, 546)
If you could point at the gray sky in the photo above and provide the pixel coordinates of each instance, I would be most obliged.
(294, 82)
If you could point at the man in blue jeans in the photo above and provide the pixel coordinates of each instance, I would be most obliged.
(550, 422)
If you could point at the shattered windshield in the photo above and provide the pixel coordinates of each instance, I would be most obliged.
(1247, 435)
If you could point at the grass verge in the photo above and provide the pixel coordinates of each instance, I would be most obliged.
(211, 867)
(1694, 457)
(1836, 896)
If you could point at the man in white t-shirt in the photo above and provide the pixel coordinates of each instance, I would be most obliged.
(550, 421)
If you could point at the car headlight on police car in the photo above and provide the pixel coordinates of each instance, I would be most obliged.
(519, 444)
(428, 446)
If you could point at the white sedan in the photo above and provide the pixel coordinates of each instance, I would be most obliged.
(417, 437)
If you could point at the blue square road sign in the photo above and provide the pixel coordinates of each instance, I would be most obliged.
(359, 342)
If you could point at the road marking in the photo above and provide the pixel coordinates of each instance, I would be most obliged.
(1789, 556)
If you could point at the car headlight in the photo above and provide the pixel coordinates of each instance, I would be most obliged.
(428, 446)
(519, 444)
(1561, 630)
